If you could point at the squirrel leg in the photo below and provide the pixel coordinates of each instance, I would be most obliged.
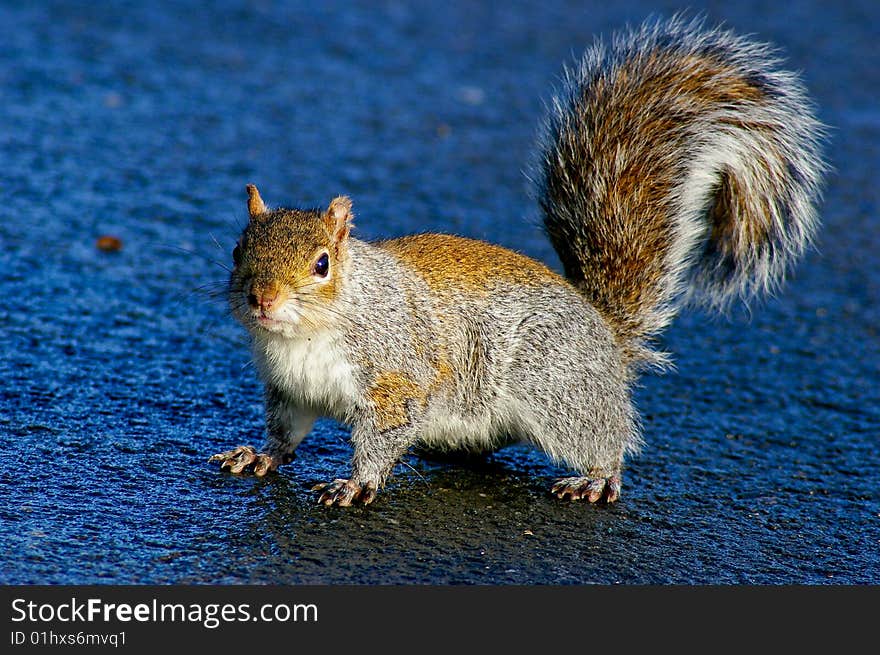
(596, 483)
(579, 411)
(375, 454)
(287, 425)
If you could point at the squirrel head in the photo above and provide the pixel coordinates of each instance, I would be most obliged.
(286, 266)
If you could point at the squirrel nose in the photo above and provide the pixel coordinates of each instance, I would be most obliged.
(263, 298)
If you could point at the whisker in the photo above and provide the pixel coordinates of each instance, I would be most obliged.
(413, 469)
(337, 301)
(318, 308)
(205, 329)
(214, 239)
(303, 287)
(197, 254)
(213, 290)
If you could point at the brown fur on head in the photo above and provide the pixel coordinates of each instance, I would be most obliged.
(278, 260)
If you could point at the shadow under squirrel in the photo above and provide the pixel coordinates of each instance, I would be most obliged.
(679, 164)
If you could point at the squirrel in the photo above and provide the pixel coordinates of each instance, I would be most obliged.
(681, 164)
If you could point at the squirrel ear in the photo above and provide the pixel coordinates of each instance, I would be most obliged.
(255, 202)
(339, 217)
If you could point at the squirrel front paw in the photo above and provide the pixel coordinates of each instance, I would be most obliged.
(245, 457)
(345, 492)
(593, 489)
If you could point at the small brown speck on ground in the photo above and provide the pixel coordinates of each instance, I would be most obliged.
(108, 243)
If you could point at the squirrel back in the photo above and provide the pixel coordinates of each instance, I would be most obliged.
(679, 164)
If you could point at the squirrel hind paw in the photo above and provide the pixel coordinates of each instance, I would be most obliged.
(345, 492)
(245, 457)
(592, 489)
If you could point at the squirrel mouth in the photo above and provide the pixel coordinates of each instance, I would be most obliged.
(273, 321)
(268, 322)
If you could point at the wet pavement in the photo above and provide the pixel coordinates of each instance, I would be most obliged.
(122, 371)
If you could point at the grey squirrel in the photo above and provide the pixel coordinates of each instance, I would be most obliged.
(680, 164)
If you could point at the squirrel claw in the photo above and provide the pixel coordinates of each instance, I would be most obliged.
(591, 489)
(345, 492)
(243, 457)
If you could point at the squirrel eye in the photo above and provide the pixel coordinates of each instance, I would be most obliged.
(322, 265)
(236, 255)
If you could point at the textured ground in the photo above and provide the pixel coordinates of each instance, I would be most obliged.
(121, 375)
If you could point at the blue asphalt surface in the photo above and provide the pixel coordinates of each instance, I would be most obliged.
(121, 372)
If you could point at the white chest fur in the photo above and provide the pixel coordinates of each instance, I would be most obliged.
(313, 371)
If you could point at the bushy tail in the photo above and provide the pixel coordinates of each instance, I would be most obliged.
(679, 164)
